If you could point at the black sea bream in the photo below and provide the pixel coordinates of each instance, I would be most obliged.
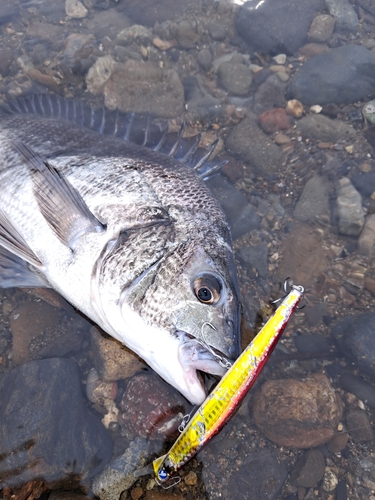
(130, 236)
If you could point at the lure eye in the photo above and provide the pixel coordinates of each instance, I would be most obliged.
(207, 289)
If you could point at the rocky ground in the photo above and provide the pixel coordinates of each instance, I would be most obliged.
(289, 87)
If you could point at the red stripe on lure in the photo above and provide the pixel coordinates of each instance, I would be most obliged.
(226, 397)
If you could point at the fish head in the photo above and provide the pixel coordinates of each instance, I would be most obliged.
(181, 314)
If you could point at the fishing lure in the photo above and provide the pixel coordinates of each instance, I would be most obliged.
(224, 400)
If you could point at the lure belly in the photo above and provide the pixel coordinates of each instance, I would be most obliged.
(224, 400)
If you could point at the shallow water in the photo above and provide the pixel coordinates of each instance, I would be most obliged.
(299, 195)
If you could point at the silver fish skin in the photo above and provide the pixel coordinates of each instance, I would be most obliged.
(131, 237)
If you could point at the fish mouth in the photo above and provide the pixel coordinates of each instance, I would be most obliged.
(195, 356)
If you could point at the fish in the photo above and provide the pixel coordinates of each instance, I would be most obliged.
(227, 396)
(128, 233)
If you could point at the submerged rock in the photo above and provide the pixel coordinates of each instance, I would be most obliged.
(349, 208)
(46, 430)
(297, 413)
(342, 75)
(354, 336)
(276, 26)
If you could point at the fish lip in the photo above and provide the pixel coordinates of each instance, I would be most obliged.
(193, 357)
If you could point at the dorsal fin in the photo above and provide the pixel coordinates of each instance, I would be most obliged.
(61, 205)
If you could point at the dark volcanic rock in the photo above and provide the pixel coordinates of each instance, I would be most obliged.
(46, 429)
(343, 75)
(354, 336)
(152, 12)
(276, 26)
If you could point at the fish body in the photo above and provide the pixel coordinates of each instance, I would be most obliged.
(130, 236)
(226, 397)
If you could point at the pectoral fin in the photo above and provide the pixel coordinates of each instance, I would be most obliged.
(60, 203)
(15, 272)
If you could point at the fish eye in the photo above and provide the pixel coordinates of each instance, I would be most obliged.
(207, 289)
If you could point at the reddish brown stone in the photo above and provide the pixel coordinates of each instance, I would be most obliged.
(151, 408)
(298, 413)
(274, 120)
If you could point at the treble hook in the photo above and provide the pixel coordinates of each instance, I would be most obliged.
(224, 362)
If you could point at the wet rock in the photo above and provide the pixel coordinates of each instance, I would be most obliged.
(313, 49)
(75, 9)
(366, 240)
(276, 26)
(205, 59)
(354, 337)
(259, 476)
(113, 361)
(186, 33)
(349, 208)
(322, 128)
(329, 480)
(321, 28)
(362, 389)
(313, 202)
(359, 427)
(338, 442)
(235, 78)
(144, 88)
(151, 408)
(297, 413)
(97, 391)
(118, 475)
(6, 57)
(367, 5)
(312, 344)
(364, 182)
(250, 144)
(255, 257)
(217, 31)
(342, 75)
(274, 120)
(241, 215)
(308, 470)
(134, 34)
(107, 23)
(99, 73)
(344, 14)
(303, 256)
(77, 56)
(66, 495)
(270, 94)
(294, 108)
(46, 429)
(152, 12)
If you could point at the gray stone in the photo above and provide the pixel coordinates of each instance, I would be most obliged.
(322, 128)
(235, 78)
(362, 389)
(151, 12)
(276, 26)
(344, 14)
(144, 88)
(255, 256)
(308, 470)
(135, 33)
(205, 59)
(354, 336)
(359, 426)
(241, 216)
(217, 31)
(118, 475)
(321, 28)
(46, 428)
(75, 9)
(270, 94)
(349, 208)
(249, 143)
(367, 239)
(313, 201)
(343, 75)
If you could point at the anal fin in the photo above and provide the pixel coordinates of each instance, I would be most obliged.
(15, 272)
(62, 206)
